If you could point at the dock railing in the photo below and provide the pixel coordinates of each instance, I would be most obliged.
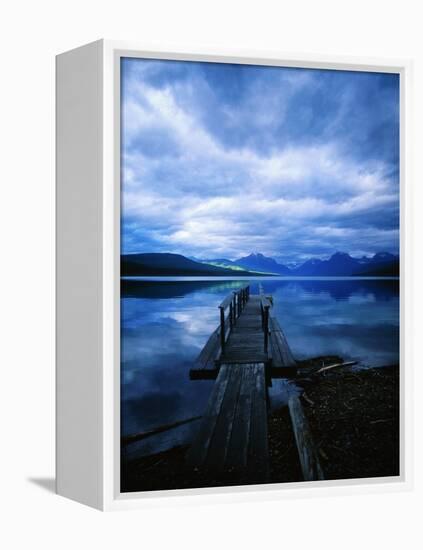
(230, 309)
(265, 307)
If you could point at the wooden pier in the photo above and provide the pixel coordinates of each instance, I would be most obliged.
(247, 333)
(233, 432)
(243, 354)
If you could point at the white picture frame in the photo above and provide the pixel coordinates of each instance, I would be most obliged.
(88, 294)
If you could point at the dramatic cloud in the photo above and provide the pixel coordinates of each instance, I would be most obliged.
(222, 160)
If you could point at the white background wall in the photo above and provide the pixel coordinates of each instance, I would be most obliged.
(31, 33)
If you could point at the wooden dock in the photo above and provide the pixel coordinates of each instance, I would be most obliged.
(245, 343)
(233, 432)
(247, 333)
(243, 354)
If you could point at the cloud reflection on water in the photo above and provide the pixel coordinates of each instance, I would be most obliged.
(166, 324)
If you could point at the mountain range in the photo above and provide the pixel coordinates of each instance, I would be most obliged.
(342, 264)
(382, 264)
(170, 264)
(339, 264)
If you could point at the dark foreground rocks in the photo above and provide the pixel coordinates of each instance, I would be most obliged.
(354, 419)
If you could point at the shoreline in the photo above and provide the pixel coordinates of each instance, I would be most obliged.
(353, 416)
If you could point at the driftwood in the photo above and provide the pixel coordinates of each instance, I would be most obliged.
(309, 460)
(306, 398)
(347, 364)
(127, 439)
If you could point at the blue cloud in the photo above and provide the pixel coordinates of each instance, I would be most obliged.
(222, 159)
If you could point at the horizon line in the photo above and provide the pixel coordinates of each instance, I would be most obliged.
(321, 258)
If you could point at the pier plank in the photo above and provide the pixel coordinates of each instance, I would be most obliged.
(216, 455)
(281, 352)
(237, 452)
(205, 364)
(233, 433)
(258, 430)
(209, 351)
(199, 449)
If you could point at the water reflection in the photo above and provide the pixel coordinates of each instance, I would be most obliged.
(166, 323)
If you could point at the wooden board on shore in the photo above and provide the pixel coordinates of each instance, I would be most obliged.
(309, 460)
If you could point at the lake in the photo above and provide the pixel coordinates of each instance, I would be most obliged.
(165, 322)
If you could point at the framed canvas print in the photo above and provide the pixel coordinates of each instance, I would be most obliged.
(231, 282)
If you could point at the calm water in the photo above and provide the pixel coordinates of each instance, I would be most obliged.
(165, 324)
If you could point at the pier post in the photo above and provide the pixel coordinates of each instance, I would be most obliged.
(222, 328)
(266, 328)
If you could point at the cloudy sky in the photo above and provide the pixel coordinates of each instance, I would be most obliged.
(221, 160)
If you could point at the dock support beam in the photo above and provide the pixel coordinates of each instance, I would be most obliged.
(266, 328)
(222, 328)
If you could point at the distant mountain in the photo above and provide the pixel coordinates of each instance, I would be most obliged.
(382, 264)
(342, 264)
(264, 264)
(169, 264)
(308, 268)
(339, 264)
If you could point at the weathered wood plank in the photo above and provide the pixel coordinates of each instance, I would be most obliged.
(309, 460)
(216, 455)
(205, 364)
(233, 433)
(246, 322)
(237, 453)
(199, 448)
(209, 352)
(245, 343)
(258, 462)
(281, 352)
(244, 360)
(241, 338)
